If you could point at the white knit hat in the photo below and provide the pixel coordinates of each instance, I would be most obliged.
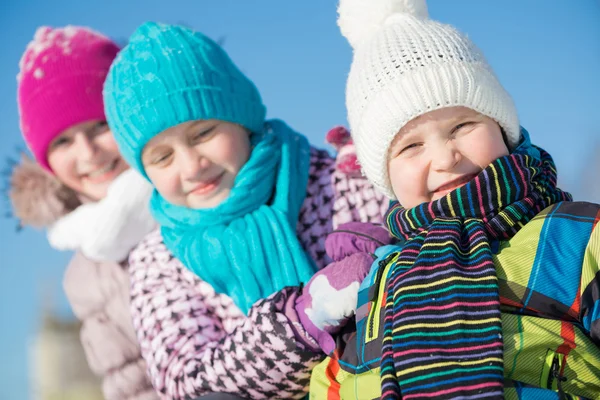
(406, 65)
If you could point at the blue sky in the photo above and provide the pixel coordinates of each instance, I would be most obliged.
(545, 52)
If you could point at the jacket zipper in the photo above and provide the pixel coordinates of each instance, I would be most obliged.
(382, 271)
(553, 378)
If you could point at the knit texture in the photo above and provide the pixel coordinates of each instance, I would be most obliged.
(60, 83)
(406, 65)
(187, 331)
(168, 75)
(250, 235)
(548, 278)
(442, 329)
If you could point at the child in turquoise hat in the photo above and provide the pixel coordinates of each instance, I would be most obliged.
(244, 203)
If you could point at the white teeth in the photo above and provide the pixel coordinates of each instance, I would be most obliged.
(108, 167)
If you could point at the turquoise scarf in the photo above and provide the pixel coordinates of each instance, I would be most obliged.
(247, 247)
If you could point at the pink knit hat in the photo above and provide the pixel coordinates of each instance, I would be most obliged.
(60, 83)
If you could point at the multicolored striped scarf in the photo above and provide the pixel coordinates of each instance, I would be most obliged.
(442, 330)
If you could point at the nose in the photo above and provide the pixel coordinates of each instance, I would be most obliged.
(85, 147)
(191, 163)
(445, 155)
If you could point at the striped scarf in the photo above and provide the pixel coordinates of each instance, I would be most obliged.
(442, 330)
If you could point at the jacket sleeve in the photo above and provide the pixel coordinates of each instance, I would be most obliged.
(356, 200)
(196, 342)
(590, 286)
(99, 296)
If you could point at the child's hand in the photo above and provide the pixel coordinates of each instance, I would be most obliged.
(329, 299)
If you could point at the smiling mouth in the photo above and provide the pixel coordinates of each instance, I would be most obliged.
(102, 174)
(207, 187)
(454, 184)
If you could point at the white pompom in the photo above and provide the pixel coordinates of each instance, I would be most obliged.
(359, 19)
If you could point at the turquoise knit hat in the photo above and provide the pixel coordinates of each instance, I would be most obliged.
(168, 75)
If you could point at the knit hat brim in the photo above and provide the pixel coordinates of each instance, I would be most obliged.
(470, 85)
(61, 74)
(137, 125)
(69, 100)
(168, 75)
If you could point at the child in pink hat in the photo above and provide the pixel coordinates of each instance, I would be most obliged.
(60, 83)
(62, 120)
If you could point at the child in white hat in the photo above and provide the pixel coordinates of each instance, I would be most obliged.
(494, 291)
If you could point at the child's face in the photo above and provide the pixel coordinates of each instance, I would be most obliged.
(194, 164)
(440, 151)
(85, 157)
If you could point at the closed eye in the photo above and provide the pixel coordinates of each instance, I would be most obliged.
(203, 134)
(461, 126)
(59, 142)
(100, 127)
(160, 158)
(409, 147)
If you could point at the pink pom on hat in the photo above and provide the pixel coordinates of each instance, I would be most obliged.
(346, 161)
(60, 82)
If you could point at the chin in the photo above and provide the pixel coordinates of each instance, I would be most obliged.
(212, 202)
(96, 193)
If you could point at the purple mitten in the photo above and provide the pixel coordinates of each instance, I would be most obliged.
(355, 237)
(329, 299)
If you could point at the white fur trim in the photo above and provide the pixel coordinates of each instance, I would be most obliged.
(107, 230)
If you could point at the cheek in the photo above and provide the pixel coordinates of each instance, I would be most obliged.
(106, 143)
(407, 178)
(494, 155)
(232, 153)
(62, 164)
(489, 146)
(166, 182)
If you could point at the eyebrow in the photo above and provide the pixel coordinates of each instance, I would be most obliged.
(149, 152)
(201, 123)
(195, 124)
(95, 125)
(72, 132)
(399, 136)
(464, 116)
(150, 149)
